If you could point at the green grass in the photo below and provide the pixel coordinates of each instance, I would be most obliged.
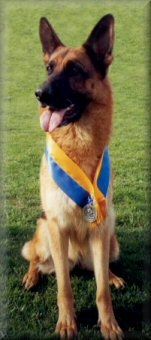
(34, 314)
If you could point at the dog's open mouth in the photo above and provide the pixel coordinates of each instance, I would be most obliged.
(50, 119)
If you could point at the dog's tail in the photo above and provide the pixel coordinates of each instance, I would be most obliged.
(28, 251)
(38, 247)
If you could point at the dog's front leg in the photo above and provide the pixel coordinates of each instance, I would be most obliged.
(100, 242)
(59, 240)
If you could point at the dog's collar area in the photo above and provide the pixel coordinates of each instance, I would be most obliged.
(89, 196)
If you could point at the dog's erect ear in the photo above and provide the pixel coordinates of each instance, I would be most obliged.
(99, 44)
(49, 39)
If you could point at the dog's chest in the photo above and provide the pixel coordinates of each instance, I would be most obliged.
(57, 204)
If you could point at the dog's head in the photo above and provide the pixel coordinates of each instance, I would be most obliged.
(75, 75)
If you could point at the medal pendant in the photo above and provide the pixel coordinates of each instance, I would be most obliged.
(90, 212)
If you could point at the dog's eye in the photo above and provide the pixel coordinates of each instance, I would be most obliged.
(75, 70)
(50, 68)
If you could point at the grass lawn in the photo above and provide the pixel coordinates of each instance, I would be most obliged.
(33, 314)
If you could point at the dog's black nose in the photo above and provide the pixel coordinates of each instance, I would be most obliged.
(38, 93)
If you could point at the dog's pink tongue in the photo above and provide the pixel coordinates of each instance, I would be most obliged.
(51, 120)
(56, 119)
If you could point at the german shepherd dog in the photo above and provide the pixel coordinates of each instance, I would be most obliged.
(76, 109)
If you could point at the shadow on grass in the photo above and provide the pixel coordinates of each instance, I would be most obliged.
(127, 318)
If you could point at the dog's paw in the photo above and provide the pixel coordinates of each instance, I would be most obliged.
(112, 331)
(66, 328)
(30, 279)
(117, 281)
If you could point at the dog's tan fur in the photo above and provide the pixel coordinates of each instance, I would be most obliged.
(64, 239)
